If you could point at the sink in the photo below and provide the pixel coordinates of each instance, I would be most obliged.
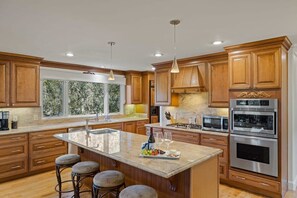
(102, 131)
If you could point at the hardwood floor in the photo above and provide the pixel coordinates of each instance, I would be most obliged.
(42, 186)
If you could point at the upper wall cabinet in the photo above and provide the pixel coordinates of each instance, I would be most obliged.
(257, 65)
(4, 83)
(163, 95)
(20, 80)
(134, 88)
(218, 93)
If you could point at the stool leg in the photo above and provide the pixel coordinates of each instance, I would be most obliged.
(95, 192)
(58, 174)
(74, 181)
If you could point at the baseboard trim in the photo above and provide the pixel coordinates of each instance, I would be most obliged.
(293, 184)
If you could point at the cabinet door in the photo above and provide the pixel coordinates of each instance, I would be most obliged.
(136, 89)
(267, 68)
(154, 119)
(4, 83)
(25, 84)
(240, 71)
(218, 93)
(130, 127)
(163, 88)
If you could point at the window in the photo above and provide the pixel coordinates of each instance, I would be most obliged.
(52, 98)
(85, 98)
(62, 98)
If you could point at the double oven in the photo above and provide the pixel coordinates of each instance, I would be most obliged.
(254, 135)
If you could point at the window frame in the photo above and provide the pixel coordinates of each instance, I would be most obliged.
(55, 74)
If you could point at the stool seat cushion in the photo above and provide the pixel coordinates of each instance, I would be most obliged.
(139, 191)
(67, 159)
(85, 167)
(109, 178)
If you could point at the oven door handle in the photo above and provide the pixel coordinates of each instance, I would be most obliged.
(253, 137)
(231, 119)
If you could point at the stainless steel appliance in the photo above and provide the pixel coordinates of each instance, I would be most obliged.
(214, 123)
(253, 139)
(4, 120)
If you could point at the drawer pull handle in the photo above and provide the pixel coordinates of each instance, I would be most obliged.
(264, 184)
(39, 147)
(40, 135)
(15, 151)
(40, 162)
(15, 167)
(211, 139)
(16, 138)
(58, 144)
(241, 178)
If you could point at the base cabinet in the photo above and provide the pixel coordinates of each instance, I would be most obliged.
(44, 149)
(13, 156)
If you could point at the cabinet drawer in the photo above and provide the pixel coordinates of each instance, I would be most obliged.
(45, 136)
(8, 139)
(224, 155)
(40, 163)
(142, 122)
(13, 151)
(182, 136)
(214, 139)
(255, 181)
(223, 170)
(157, 130)
(46, 148)
(14, 167)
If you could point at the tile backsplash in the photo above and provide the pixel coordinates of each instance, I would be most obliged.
(191, 106)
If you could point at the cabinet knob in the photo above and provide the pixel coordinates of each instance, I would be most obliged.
(12, 104)
(7, 105)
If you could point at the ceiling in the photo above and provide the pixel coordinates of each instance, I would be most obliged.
(49, 29)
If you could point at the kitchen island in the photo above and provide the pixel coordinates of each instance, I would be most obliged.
(194, 175)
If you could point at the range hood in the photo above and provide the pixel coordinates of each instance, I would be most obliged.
(190, 79)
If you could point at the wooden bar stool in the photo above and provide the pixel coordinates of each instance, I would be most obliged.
(81, 171)
(63, 162)
(138, 191)
(106, 182)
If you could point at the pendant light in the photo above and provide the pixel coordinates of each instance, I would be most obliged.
(174, 68)
(111, 76)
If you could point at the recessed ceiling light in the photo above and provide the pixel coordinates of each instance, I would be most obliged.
(158, 54)
(69, 54)
(217, 42)
(153, 68)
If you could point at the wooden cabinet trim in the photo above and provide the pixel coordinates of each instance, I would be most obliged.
(4, 83)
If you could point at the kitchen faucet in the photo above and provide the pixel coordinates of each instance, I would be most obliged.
(89, 119)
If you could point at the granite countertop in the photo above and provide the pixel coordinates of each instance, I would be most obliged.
(157, 125)
(125, 147)
(65, 125)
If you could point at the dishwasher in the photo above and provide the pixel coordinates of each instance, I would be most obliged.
(73, 149)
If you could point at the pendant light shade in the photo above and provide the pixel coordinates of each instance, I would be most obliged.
(174, 68)
(111, 76)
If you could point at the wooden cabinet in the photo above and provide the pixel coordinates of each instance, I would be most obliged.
(141, 129)
(129, 127)
(183, 136)
(13, 156)
(19, 80)
(116, 126)
(4, 83)
(134, 88)
(220, 142)
(255, 181)
(154, 119)
(267, 68)
(25, 82)
(240, 71)
(44, 149)
(218, 92)
(163, 95)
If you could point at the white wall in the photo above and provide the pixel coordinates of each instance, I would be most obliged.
(292, 117)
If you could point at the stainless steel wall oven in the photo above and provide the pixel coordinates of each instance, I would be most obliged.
(254, 135)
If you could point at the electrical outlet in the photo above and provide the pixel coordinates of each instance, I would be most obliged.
(35, 117)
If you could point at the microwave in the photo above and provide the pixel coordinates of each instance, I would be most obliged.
(215, 123)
